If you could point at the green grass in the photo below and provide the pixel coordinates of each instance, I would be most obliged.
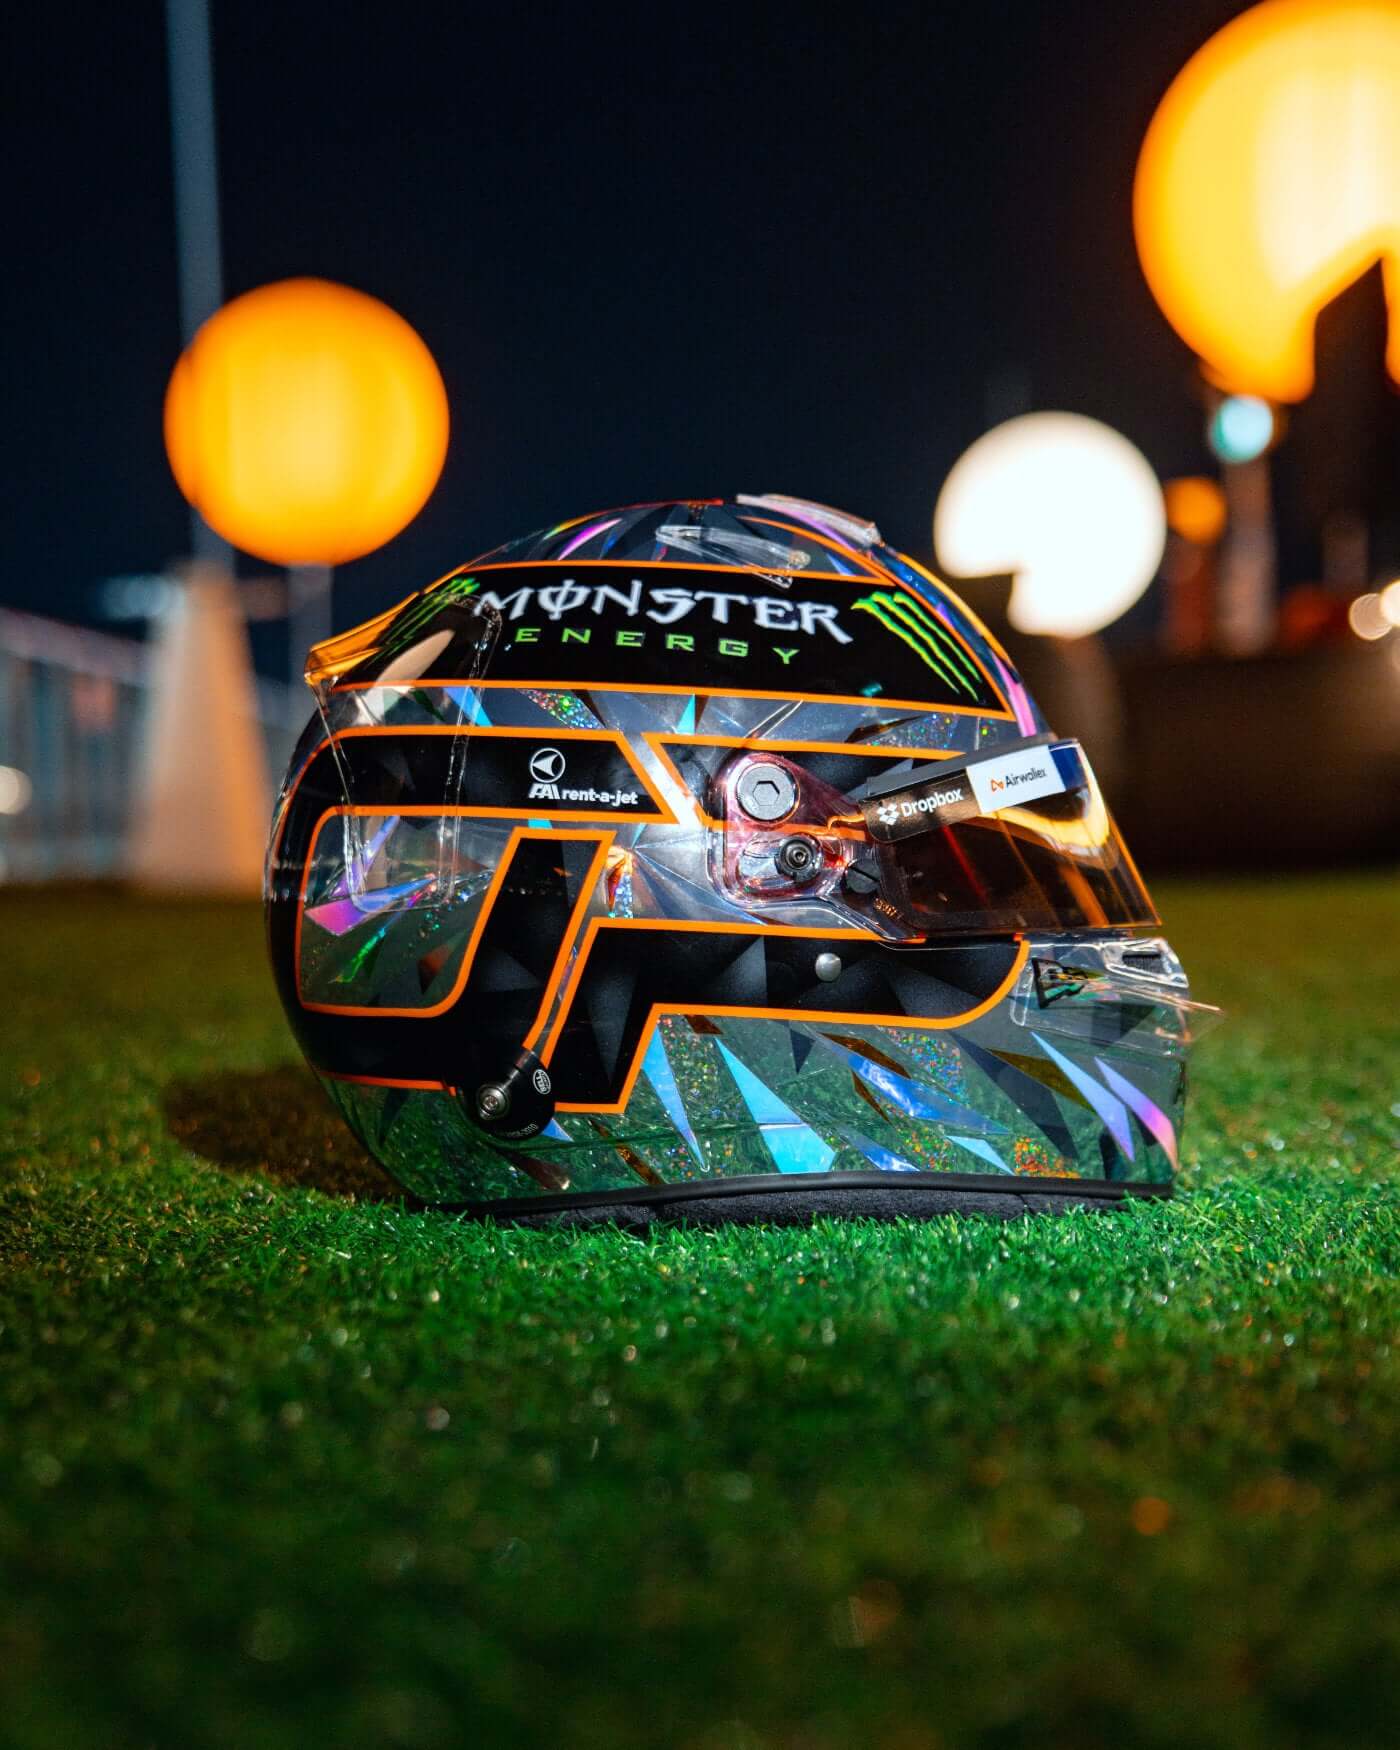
(285, 1462)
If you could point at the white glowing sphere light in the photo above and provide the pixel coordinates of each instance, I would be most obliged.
(1066, 504)
(1368, 618)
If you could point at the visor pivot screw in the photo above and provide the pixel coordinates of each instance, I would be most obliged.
(828, 968)
(492, 1101)
(799, 858)
(766, 792)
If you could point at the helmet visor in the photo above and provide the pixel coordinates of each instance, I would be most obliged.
(1018, 841)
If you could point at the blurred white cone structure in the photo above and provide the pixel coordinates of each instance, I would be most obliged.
(200, 822)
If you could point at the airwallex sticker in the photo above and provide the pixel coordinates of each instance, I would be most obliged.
(945, 795)
(1014, 778)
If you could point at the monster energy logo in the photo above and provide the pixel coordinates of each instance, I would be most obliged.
(423, 609)
(628, 621)
(925, 635)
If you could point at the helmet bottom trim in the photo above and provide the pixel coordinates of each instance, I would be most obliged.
(797, 1199)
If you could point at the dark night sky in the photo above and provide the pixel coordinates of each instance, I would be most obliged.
(656, 251)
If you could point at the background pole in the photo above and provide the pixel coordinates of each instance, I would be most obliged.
(308, 615)
(194, 152)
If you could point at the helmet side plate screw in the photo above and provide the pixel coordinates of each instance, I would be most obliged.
(766, 792)
(828, 967)
(492, 1100)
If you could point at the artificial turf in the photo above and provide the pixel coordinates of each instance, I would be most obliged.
(287, 1462)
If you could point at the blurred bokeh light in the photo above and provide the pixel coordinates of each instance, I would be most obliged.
(1367, 617)
(1269, 181)
(16, 790)
(1068, 506)
(306, 422)
(1196, 509)
(1241, 428)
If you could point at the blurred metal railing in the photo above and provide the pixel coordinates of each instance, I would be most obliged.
(73, 707)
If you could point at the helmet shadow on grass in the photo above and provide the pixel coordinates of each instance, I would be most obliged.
(274, 1124)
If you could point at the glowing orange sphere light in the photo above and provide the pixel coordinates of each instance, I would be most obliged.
(307, 423)
(1196, 509)
(1269, 181)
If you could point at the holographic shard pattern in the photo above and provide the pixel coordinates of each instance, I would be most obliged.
(1108, 1106)
(976, 1145)
(657, 1067)
(565, 708)
(1153, 1118)
(795, 1146)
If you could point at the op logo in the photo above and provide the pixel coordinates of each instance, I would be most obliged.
(547, 765)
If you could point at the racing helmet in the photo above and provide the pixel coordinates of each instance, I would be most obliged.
(713, 850)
